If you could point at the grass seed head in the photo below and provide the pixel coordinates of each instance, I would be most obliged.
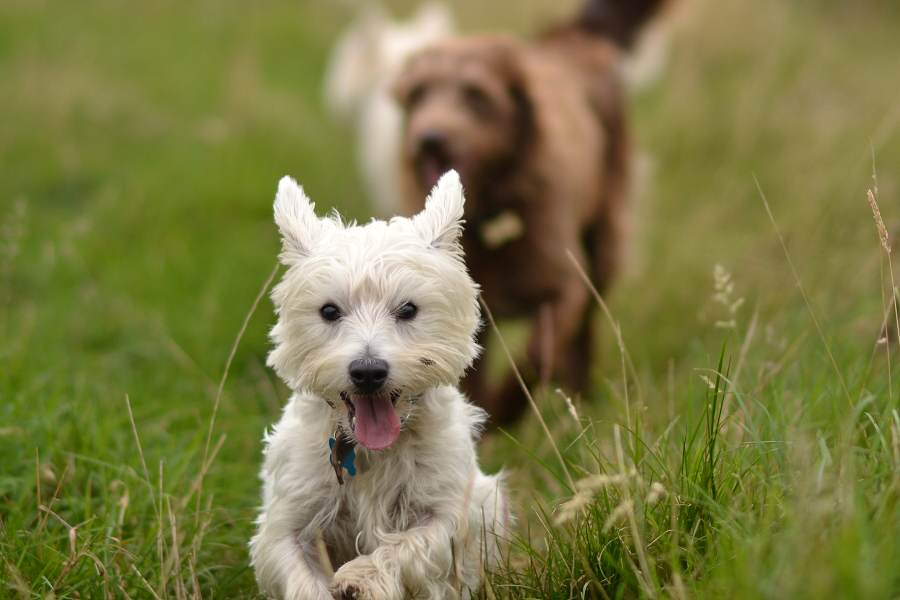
(883, 236)
(625, 508)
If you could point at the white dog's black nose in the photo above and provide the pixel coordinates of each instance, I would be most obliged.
(368, 374)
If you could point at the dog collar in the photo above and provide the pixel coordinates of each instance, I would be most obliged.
(501, 229)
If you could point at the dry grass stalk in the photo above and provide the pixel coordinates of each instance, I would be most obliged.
(809, 308)
(140, 449)
(735, 422)
(45, 510)
(37, 476)
(626, 362)
(587, 488)
(145, 582)
(884, 239)
(883, 236)
(643, 574)
(723, 286)
(570, 406)
(218, 400)
(157, 508)
(620, 512)
(175, 557)
(895, 440)
(656, 493)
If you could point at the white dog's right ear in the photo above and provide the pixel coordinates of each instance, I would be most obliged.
(296, 219)
(440, 223)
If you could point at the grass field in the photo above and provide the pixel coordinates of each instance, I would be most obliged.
(743, 439)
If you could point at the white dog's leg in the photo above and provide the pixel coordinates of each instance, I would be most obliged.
(418, 560)
(435, 561)
(286, 565)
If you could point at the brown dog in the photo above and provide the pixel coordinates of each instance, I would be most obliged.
(537, 132)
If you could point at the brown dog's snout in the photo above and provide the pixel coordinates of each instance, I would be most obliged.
(433, 142)
(433, 156)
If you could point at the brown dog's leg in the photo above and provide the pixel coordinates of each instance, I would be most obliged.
(511, 400)
(504, 402)
(572, 342)
(605, 242)
(577, 358)
(565, 322)
(567, 319)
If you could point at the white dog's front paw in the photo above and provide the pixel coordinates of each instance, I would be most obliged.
(360, 579)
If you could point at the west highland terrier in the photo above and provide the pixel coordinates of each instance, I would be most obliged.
(372, 474)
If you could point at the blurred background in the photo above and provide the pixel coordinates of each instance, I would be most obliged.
(140, 146)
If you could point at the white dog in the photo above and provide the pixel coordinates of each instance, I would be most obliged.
(362, 67)
(372, 470)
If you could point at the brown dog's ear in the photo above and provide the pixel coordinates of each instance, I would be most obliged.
(525, 123)
(506, 59)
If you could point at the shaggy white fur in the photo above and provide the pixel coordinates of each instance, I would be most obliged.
(362, 68)
(418, 519)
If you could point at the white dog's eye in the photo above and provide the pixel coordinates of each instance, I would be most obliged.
(330, 312)
(407, 312)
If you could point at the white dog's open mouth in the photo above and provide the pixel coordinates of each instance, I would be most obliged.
(373, 420)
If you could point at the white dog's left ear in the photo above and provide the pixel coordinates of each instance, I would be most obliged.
(296, 219)
(440, 223)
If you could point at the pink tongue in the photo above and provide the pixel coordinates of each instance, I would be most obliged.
(377, 423)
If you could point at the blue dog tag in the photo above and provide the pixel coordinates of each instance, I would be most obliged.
(343, 456)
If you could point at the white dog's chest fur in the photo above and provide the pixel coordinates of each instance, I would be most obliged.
(430, 476)
(381, 497)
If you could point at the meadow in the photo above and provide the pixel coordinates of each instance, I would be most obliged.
(743, 436)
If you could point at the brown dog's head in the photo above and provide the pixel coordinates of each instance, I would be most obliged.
(466, 109)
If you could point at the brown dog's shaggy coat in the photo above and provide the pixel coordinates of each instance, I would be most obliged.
(537, 131)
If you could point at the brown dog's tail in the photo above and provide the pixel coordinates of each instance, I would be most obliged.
(619, 20)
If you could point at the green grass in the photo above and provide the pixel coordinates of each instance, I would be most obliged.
(140, 148)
